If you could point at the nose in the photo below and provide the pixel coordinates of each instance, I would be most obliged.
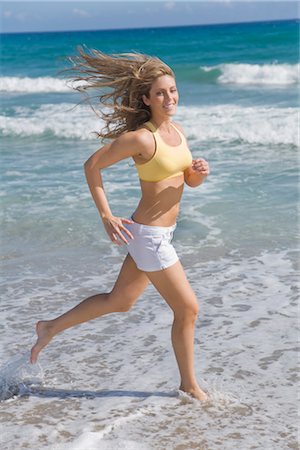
(168, 96)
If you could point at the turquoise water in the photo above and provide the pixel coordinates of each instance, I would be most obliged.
(236, 237)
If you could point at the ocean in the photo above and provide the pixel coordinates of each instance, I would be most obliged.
(113, 383)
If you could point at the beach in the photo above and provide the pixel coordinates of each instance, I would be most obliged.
(113, 383)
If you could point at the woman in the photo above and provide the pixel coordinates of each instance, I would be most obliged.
(143, 100)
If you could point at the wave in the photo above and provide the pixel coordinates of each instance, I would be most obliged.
(51, 120)
(234, 123)
(222, 123)
(273, 75)
(36, 85)
(240, 74)
(255, 74)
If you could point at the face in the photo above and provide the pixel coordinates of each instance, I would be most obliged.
(163, 96)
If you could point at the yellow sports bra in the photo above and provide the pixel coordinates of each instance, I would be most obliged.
(168, 161)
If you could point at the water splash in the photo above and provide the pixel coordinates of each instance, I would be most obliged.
(17, 375)
(221, 400)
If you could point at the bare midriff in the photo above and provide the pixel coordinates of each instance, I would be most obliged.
(159, 205)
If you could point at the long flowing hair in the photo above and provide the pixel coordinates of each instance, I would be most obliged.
(121, 80)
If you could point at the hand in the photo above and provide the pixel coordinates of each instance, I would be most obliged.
(114, 227)
(200, 166)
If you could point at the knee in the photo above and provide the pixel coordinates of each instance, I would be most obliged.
(193, 312)
(124, 307)
(120, 304)
(188, 314)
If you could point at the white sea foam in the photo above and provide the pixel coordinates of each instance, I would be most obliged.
(246, 74)
(61, 120)
(222, 123)
(17, 374)
(90, 440)
(33, 85)
(234, 123)
(37, 85)
(94, 440)
(256, 74)
(245, 350)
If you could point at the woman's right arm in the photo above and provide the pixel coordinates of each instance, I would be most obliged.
(127, 145)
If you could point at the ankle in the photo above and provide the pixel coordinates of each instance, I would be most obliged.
(47, 326)
(189, 385)
(195, 391)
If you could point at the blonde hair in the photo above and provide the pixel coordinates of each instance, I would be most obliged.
(125, 78)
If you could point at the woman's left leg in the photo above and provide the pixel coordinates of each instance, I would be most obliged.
(174, 287)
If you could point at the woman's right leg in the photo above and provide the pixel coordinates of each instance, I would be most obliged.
(175, 288)
(130, 284)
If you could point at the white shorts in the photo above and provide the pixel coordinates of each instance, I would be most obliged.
(151, 248)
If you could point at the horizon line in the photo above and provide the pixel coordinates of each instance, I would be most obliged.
(152, 27)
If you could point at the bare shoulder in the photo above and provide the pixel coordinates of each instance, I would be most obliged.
(145, 144)
(129, 144)
(136, 141)
(139, 137)
(143, 136)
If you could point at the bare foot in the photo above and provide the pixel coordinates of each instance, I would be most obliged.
(196, 393)
(44, 337)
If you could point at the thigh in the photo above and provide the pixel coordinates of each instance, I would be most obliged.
(130, 283)
(174, 287)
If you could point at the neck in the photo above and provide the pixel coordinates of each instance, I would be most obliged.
(162, 123)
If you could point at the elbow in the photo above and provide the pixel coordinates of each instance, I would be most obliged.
(88, 167)
(194, 182)
(189, 181)
(91, 171)
(192, 185)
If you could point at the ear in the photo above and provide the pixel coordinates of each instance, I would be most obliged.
(145, 100)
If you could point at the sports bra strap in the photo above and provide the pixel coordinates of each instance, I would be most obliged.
(150, 126)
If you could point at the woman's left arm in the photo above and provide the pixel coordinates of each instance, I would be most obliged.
(196, 173)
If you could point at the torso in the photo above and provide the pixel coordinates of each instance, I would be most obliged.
(159, 204)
